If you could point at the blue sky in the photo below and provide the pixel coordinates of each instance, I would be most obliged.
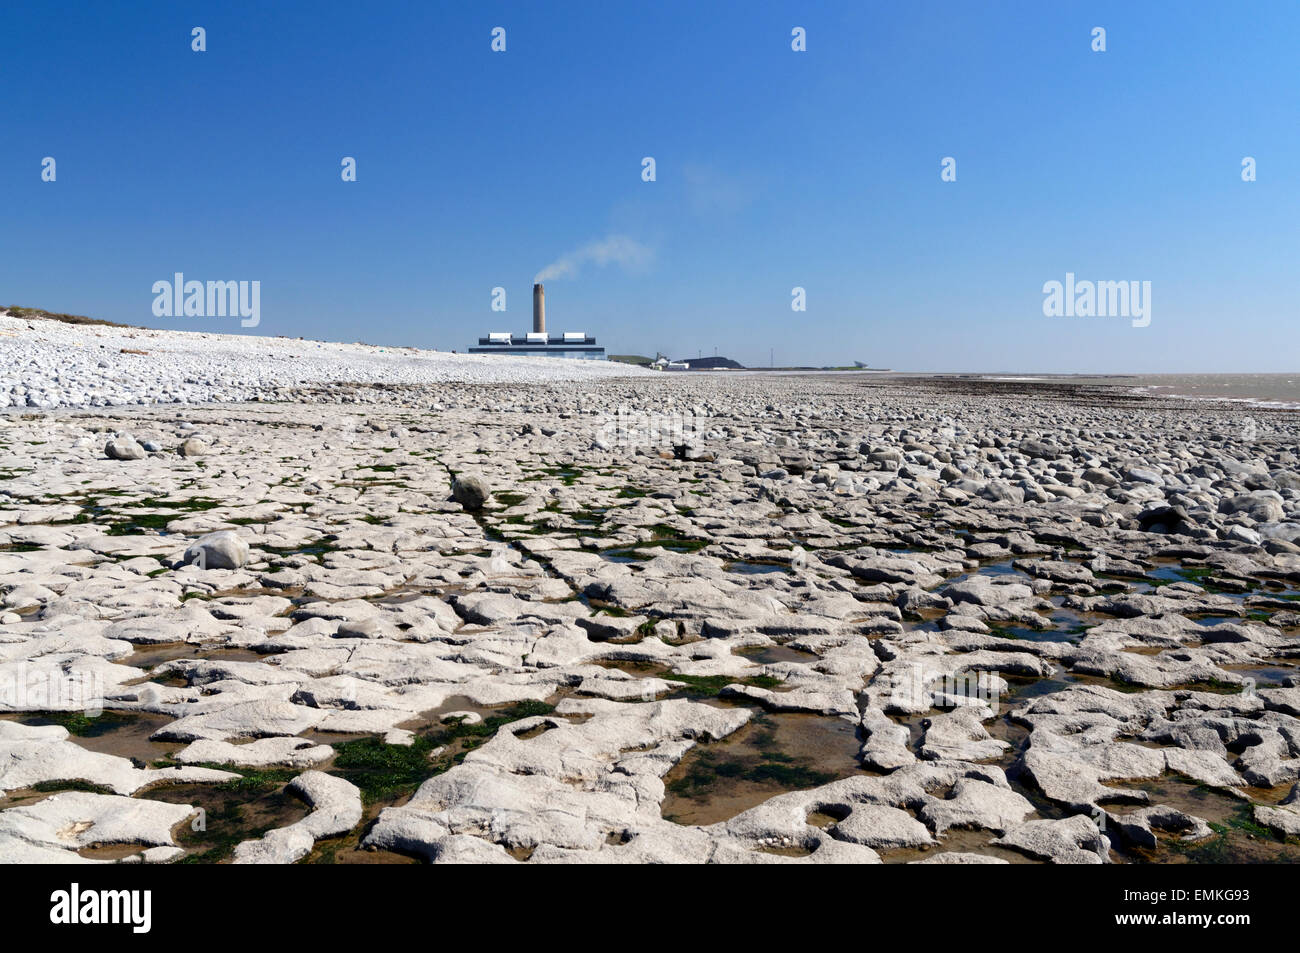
(775, 169)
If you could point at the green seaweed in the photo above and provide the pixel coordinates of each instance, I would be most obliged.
(82, 725)
(709, 686)
(385, 771)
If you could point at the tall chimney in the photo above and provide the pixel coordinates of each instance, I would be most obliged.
(539, 308)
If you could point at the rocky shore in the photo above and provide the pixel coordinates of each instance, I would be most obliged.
(687, 619)
(48, 364)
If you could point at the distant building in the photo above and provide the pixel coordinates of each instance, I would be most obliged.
(537, 343)
(572, 344)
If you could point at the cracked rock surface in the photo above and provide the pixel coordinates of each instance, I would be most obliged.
(696, 618)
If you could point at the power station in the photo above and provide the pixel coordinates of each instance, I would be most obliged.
(537, 343)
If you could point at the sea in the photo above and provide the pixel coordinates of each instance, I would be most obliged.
(1279, 391)
(1265, 390)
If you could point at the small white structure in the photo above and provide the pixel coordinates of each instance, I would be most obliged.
(575, 336)
(499, 337)
(537, 337)
(678, 366)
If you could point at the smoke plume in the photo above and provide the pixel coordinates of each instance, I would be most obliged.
(614, 249)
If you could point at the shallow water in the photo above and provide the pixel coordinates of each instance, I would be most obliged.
(756, 569)
(1237, 840)
(125, 734)
(772, 754)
